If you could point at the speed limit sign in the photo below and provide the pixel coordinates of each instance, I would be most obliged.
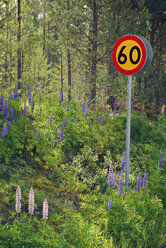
(132, 54)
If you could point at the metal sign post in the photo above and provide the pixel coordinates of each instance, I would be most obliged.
(128, 131)
(131, 54)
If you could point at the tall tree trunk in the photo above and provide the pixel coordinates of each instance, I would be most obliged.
(19, 49)
(68, 55)
(94, 52)
(44, 33)
(48, 49)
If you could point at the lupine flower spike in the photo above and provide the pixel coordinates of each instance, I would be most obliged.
(121, 182)
(102, 121)
(110, 203)
(67, 108)
(11, 113)
(8, 125)
(120, 109)
(29, 100)
(123, 162)
(65, 204)
(84, 103)
(45, 210)
(79, 97)
(5, 110)
(144, 181)
(1, 102)
(47, 134)
(75, 119)
(18, 200)
(40, 114)
(4, 131)
(56, 134)
(110, 177)
(138, 183)
(32, 104)
(65, 121)
(50, 120)
(38, 134)
(31, 202)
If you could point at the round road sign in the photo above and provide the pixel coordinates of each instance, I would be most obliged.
(132, 54)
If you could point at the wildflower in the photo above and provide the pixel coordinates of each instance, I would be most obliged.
(45, 210)
(15, 92)
(160, 161)
(84, 103)
(86, 112)
(133, 104)
(121, 182)
(34, 129)
(99, 119)
(11, 113)
(115, 179)
(144, 181)
(79, 97)
(32, 104)
(109, 110)
(5, 110)
(75, 119)
(134, 209)
(102, 121)
(114, 112)
(1, 102)
(120, 108)
(65, 204)
(47, 134)
(61, 96)
(67, 109)
(18, 200)
(143, 110)
(8, 125)
(111, 177)
(56, 134)
(88, 122)
(105, 107)
(29, 99)
(72, 84)
(40, 114)
(50, 120)
(31, 202)
(123, 162)
(163, 110)
(24, 110)
(65, 122)
(138, 183)
(88, 104)
(110, 203)
(4, 131)
(38, 134)
(62, 132)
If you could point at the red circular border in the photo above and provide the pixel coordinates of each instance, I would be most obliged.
(144, 54)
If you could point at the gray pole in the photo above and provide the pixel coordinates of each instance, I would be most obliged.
(128, 131)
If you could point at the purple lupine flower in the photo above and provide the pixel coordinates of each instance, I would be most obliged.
(8, 125)
(123, 162)
(160, 161)
(99, 119)
(72, 84)
(79, 97)
(114, 112)
(4, 131)
(86, 112)
(40, 114)
(11, 96)
(75, 119)
(65, 204)
(62, 132)
(84, 103)
(138, 183)
(88, 122)
(115, 179)
(61, 96)
(102, 121)
(5, 110)
(32, 104)
(67, 108)
(121, 181)
(109, 109)
(30, 98)
(50, 120)
(24, 110)
(11, 113)
(56, 134)
(34, 129)
(88, 104)
(111, 177)
(38, 134)
(133, 104)
(144, 181)
(1, 102)
(105, 107)
(15, 92)
(110, 203)
(65, 121)
(47, 134)
(120, 108)
(143, 110)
